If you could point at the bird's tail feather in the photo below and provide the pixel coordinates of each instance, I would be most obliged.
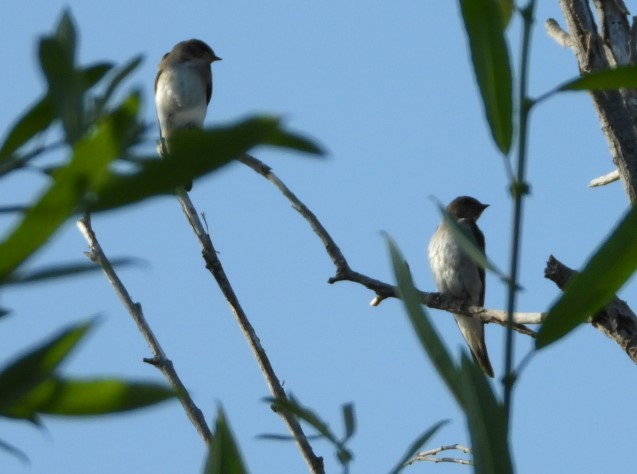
(473, 332)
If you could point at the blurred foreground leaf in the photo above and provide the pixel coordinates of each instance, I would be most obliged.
(469, 245)
(594, 287)
(62, 270)
(427, 335)
(470, 387)
(66, 88)
(86, 170)
(74, 397)
(195, 153)
(490, 57)
(506, 11)
(30, 386)
(486, 419)
(622, 77)
(291, 405)
(117, 77)
(224, 456)
(33, 121)
(4, 446)
(26, 372)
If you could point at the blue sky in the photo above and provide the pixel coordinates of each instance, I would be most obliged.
(387, 89)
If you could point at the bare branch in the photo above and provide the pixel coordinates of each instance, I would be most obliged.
(616, 320)
(384, 290)
(597, 51)
(213, 264)
(430, 455)
(604, 180)
(555, 31)
(330, 245)
(615, 29)
(159, 359)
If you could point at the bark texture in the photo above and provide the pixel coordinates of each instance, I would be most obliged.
(616, 320)
(598, 48)
(610, 44)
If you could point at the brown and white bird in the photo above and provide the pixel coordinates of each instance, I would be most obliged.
(457, 274)
(183, 87)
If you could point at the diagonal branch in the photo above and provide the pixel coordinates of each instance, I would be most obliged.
(213, 264)
(616, 320)
(599, 48)
(604, 180)
(384, 290)
(159, 359)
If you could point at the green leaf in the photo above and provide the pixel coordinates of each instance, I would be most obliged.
(417, 445)
(86, 171)
(484, 25)
(280, 437)
(63, 270)
(72, 397)
(65, 86)
(468, 244)
(94, 73)
(617, 78)
(10, 209)
(195, 153)
(40, 116)
(427, 335)
(14, 451)
(349, 419)
(506, 11)
(486, 420)
(592, 289)
(119, 75)
(37, 119)
(621, 77)
(467, 383)
(29, 370)
(66, 35)
(224, 456)
(285, 139)
(292, 406)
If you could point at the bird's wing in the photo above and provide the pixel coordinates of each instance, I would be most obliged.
(208, 84)
(479, 238)
(160, 69)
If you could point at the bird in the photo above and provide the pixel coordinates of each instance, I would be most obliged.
(183, 88)
(457, 274)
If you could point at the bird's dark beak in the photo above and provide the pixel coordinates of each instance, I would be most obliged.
(215, 58)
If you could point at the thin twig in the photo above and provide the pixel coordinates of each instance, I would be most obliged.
(430, 455)
(555, 31)
(213, 264)
(604, 180)
(381, 289)
(159, 359)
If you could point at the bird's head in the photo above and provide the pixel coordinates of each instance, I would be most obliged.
(466, 207)
(198, 49)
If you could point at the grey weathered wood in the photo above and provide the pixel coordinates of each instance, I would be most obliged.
(616, 320)
(598, 49)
